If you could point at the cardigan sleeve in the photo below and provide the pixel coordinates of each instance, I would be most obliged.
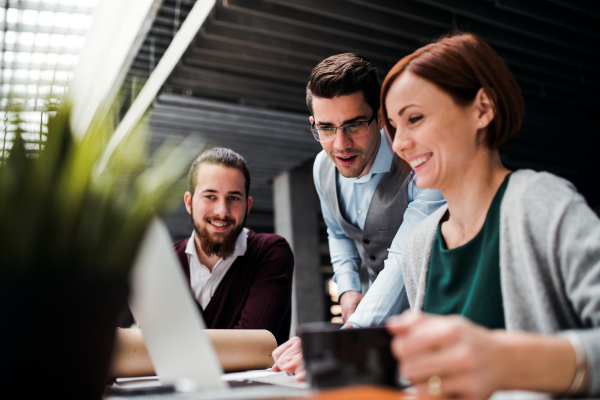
(553, 256)
(270, 294)
(578, 244)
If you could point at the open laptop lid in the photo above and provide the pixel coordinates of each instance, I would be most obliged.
(163, 307)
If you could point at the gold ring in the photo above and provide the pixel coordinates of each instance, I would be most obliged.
(434, 386)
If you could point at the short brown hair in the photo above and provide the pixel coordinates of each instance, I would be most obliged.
(341, 75)
(219, 156)
(461, 65)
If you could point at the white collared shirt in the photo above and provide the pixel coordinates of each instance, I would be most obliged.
(204, 282)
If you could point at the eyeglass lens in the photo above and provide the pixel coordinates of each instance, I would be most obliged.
(353, 130)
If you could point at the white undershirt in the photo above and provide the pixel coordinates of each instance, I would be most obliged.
(204, 282)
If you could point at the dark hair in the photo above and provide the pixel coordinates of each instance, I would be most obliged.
(218, 156)
(342, 75)
(461, 65)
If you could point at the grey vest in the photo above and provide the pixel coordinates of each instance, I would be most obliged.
(384, 216)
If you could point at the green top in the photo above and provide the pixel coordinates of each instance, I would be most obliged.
(466, 280)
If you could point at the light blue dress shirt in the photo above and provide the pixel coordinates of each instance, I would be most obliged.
(384, 298)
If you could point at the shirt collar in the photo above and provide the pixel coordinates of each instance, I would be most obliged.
(241, 245)
(384, 157)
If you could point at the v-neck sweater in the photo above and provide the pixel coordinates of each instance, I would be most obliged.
(256, 292)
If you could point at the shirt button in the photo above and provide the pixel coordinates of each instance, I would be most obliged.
(360, 211)
(373, 258)
(366, 241)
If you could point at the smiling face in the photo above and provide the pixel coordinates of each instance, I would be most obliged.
(353, 157)
(437, 137)
(218, 208)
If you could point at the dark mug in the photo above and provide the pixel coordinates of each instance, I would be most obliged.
(336, 357)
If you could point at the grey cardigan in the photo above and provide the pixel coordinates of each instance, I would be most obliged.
(549, 261)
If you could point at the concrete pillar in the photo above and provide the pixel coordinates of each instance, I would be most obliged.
(296, 207)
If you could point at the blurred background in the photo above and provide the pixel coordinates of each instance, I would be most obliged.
(234, 72)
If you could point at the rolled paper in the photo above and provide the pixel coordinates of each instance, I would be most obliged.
(243, 349)
(237, 349)
(130, 357)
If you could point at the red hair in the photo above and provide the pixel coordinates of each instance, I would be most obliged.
(461, 65)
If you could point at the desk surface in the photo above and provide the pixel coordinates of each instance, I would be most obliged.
(365, 392)
(375, 393)
(350, 393)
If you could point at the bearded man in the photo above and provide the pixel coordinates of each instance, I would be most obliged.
(240, 279)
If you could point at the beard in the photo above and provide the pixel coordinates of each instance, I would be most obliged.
(221, 245)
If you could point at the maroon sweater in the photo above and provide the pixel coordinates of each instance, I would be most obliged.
(256, 292)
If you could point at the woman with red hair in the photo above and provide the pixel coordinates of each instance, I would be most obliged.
(504, 281)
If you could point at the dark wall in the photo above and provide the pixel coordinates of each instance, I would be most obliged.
(260, 53)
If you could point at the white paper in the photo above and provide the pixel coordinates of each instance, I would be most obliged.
(250, 375)
(283, 380)
(267, 376)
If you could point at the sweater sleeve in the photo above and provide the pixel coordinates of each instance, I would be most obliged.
(270, 295)
(560, 242)
(578, 244)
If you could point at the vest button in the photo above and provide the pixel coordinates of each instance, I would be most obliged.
(366, 241)
(373, 258)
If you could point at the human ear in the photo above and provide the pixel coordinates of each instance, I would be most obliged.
(249, 205)
(187, 199)
(312, 120)
(485, 108)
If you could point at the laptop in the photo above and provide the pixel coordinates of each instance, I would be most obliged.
(183, 356)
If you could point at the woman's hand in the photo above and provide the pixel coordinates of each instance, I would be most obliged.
(463, 358)
(288, 358)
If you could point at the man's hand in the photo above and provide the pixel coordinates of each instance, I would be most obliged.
(288, 358)
(349, 301)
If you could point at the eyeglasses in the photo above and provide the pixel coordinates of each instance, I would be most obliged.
(355, 129)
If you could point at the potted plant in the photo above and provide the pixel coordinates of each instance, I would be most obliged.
(68, 236)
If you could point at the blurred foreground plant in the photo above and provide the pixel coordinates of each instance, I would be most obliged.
(59, 214)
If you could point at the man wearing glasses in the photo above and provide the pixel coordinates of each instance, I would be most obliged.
(369, 199)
